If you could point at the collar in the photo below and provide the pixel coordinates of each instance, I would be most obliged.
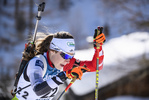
(49, 61)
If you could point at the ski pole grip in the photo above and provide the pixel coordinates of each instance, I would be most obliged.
(74, 79)
(100, 29)
(40, 9)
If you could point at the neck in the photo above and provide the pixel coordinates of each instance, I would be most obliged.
(49, 61)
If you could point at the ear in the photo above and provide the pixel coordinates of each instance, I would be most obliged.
(51, 52)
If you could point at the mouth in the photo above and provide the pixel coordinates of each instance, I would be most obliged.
(62, 65)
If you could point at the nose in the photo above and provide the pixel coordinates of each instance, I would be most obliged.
(67, 60)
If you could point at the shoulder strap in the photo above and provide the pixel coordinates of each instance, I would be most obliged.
(43, 59)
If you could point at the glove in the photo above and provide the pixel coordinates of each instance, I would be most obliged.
(62, 76)
(99, 37)
(76, 71)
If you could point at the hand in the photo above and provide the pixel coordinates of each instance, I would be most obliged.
(99, 37)
(76, 71)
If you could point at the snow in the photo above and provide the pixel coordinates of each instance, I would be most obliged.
(126, 47)
(118, 52)
(128, 98)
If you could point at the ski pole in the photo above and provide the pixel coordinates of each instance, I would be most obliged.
(99, 31)
(72, 81)
(24, 61)
(38, 17)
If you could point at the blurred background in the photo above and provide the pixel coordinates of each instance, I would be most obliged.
(125, 74)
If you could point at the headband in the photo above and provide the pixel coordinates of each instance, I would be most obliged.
(64, 45)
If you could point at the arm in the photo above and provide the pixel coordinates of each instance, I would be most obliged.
(98, 39)
(40, 87)
(90, 64)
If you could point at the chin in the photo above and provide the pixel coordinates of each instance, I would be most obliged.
(59, 67)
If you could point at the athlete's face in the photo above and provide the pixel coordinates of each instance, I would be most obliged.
(58, 61)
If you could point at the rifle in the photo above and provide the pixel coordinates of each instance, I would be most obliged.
(29, 49)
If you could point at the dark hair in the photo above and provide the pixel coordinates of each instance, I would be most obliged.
(63, 35)
(42, 44)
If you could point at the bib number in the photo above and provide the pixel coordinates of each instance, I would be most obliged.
(24, 94)
(51, 93)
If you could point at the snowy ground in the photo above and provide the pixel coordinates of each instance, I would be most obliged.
(121, 57)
